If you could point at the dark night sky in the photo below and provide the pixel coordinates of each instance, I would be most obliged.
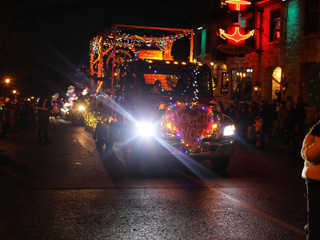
(42, 43)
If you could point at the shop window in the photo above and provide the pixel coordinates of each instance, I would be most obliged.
(236, 85)
(275, 24)
(311, 17)
(241, 84)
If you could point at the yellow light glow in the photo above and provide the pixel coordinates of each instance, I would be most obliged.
(167, 62)
(276, 81)
(175, 62)
(7, 81)
(183, 63)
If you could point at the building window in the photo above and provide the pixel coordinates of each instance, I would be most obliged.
(241, 84)
(311, 17)
(275, 24)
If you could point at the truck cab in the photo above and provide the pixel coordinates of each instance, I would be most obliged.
(166, 108)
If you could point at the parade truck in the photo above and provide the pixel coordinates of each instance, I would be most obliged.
(160, 107)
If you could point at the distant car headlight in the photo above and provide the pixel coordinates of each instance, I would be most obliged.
(65, 110)
(81, 108)
(145, 129)
(229, 130)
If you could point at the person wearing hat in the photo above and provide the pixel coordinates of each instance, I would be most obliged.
(44, 108)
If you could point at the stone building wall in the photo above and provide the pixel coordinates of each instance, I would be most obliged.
(294, 53)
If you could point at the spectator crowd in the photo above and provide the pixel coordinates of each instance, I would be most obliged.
(260, 124)
(17, 115)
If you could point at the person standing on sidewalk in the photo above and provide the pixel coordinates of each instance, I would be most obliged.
(44, 109)
(310, 152)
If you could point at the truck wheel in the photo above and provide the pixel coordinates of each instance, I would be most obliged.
(99, 143)
(220, 164)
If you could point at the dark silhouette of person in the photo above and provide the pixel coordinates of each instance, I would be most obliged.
(44, 109)
(157, 87)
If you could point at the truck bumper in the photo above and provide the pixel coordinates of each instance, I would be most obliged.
(207, 150)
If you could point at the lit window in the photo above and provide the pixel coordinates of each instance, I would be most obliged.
(275, 24)
(241, 85)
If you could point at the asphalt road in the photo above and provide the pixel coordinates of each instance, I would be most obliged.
(67, 190)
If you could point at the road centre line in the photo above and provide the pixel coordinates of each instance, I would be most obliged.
(251, 208)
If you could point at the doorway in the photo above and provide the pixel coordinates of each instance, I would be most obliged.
(276, 80)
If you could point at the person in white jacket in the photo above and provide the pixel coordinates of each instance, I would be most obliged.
(310, 152)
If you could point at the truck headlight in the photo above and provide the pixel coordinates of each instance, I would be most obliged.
(229, 130)
(145, 129)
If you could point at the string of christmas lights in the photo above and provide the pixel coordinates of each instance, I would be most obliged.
(129, 42)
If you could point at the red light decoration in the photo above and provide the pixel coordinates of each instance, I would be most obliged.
(236, 36)
(238, 5)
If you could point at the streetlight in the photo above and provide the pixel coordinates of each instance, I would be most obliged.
(14, 91)
(7, 82)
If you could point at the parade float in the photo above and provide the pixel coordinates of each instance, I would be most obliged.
(153, 104)
(73, 108)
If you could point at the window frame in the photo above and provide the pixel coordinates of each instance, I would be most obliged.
(275, 25)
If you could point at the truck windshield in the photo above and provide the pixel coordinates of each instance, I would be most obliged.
(176, 80)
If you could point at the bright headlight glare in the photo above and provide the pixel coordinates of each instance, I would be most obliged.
(82, 108)
(229, 130)
(145, 129)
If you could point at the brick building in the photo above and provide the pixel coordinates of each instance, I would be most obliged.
(274, 61)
